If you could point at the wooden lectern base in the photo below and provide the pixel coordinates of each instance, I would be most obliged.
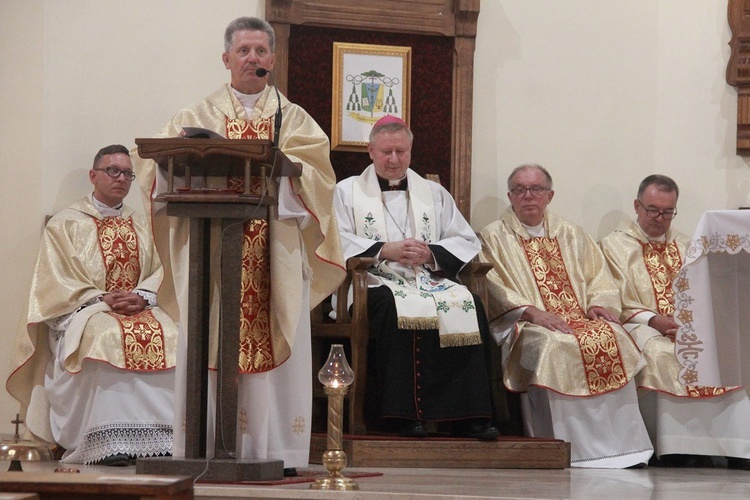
(218, 470)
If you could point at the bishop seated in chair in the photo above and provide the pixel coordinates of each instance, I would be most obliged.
(428, 330)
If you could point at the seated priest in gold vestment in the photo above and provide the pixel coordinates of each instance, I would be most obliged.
(556, 305)
(290, 261)
(428, 330)
(687, 423)
(95, 355)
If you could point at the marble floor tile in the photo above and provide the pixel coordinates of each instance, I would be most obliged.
(465, 484)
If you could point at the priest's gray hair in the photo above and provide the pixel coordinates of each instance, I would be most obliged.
(249, 24)
(109, 150)
(390, 127)
(529, 166)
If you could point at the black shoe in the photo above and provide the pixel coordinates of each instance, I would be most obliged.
(484, 431)
(689, 461)
(414, 430)
(118, 460)
(738, 463)
(290, 472)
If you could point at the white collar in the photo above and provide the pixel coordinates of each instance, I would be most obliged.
(248, 101)
(535, 231)
(105, 209)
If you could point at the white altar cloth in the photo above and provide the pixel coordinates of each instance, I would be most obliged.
(712, 302)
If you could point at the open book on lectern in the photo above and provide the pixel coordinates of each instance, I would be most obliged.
(201, 133)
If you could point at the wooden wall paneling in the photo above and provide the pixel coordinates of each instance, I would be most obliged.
(429, 17)
(738, 69)
(452, 18)
(463, 104)
(281, 65)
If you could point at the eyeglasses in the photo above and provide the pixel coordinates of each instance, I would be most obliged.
(535, 190)
(115, 172)
(654, 213)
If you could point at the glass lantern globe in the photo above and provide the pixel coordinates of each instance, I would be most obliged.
(336, 371)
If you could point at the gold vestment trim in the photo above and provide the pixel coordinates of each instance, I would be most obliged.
(256, 348)
(600, 353)
(663, 264)
(119, 246)
(239, 128)
(460, 339)
(414, 323)
(142, 341)
(142, 334)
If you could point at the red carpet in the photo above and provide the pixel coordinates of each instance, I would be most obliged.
(303, 476)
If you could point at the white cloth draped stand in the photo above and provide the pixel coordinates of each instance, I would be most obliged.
(712, 302)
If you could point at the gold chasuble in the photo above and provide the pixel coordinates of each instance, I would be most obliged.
(278, 253)
(564, 273)
(82, 256)
(645, 271)
(596, 339)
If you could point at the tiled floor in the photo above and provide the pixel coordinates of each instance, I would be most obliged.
(421, 484)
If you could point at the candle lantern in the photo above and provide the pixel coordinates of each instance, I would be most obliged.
(336, 376)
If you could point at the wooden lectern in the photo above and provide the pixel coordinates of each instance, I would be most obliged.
(255, 161)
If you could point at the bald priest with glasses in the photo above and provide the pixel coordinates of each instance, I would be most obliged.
(94, 355)
(556, 306)
(687, 424)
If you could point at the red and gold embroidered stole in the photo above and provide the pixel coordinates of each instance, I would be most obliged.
(142, 334)
(256, 349)
(238, 128)
(600, 353)
(663, 263)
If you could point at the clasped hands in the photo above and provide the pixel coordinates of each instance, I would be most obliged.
(665, 324)
(409, 252)
(552, 321)
(125, 303)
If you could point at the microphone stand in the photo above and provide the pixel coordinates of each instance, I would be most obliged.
(261, 72)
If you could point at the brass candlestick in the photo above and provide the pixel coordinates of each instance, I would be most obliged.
(336, 376)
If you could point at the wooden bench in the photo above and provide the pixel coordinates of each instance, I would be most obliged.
(70, 486)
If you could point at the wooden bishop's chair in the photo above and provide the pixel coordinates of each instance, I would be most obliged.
(347, 328)
(354, 329)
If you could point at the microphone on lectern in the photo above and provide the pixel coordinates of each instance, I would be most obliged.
(260, 73)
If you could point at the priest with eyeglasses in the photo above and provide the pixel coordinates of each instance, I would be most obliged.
(555, 306)
(688, 424)
(94, 355)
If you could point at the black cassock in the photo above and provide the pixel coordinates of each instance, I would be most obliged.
(415, 378)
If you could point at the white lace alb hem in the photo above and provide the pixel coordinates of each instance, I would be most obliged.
(137, 440)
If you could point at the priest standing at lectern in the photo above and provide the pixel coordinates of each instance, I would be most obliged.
(294, 256)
